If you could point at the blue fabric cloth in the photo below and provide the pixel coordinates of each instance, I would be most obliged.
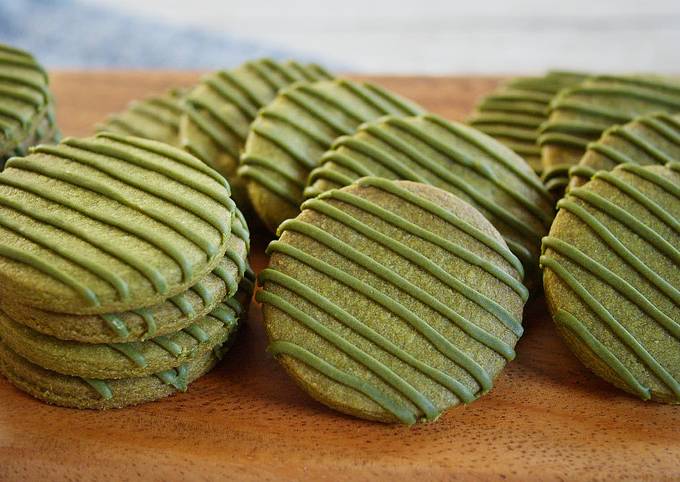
(66, 33)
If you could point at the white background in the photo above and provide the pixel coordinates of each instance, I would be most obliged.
(439, 36)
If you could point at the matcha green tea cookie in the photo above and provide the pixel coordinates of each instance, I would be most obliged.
(192, 362)
(289, 136)
(219, 110)
(169, 316)
(155, 118)
(580, 115)
(26, 106)
(453, 157)
(650, 139)
(122, 360)
(392, 300)
(108, 224)
(514, 112)
(612, 281)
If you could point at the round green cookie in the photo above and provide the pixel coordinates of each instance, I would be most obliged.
(108, 224)
(514, 112)
(453, 157)
(650, 139)
(392, 300)
(289, 136)
(72, 391)
(611, 277)
(142, 323)
(155, 118)
(580, 115)
(124, 360)
(219, 110)
(26, 106)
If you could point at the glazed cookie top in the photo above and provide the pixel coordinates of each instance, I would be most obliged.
(392, 300)
(650, 139)
(289, 136)
(453, 157)
(155, 118)
(580, 114)
(611, 277)
(514, 112)
(109, 223)
(24, 98)
(219, 110)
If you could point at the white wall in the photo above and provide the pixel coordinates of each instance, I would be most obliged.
(439, 36)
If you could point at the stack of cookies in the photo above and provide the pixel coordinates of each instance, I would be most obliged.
(123, 267)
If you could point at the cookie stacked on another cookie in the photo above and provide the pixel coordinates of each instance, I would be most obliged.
(580, 114)
(514, 113)
(392, 300)
(26, 105)
(219, 110)
(289, 136)
(120, 261)
(155, 118)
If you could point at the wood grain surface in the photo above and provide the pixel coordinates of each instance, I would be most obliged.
(548, 418)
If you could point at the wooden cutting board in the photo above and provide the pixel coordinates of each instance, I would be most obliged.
(548, 417)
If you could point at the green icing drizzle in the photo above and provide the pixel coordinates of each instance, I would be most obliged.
(129, 350)
(398, 410)
(433, 336)
(101, 387)
(150, 321)
(332, 309)
(381, 370)
(175, 377)
(197, 333)
(46, 268)
(117, 325)
(152, 274)
(419, 260)
(168, 345)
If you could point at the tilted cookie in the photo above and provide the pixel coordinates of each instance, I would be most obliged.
(514, 112)
(612, 281)
(219, 110)
(109, 223)
(155, 118)
(392, 300)
(453, 157)
(580, 114)
(650, 139)
(26, 105)
(289, 136)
